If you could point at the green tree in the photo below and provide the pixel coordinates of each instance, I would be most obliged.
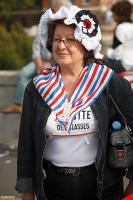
(15, 48)
(8, 54)
(8, 6)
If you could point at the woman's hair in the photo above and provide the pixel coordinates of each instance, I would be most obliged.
(123, 9)
(88, 55)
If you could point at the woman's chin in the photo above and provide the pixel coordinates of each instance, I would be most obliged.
(63, 62)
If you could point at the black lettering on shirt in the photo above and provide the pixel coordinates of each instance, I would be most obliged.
(88, 114)
(87, 126)
(58, 127)
(83, 112)
(61, 128)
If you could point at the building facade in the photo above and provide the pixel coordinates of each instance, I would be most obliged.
(83, 3)
(98, 7)
(31, 16)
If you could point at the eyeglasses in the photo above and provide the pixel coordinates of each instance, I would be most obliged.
(68, 42)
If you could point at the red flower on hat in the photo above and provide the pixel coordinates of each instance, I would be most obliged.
(87, 23)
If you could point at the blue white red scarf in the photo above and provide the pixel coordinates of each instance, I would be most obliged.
(91, 82)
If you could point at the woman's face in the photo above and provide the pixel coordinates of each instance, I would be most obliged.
(66, 50)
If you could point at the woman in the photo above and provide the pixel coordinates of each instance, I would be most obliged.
(65, 120)
(121, 52)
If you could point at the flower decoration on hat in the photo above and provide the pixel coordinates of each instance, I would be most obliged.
(87, 22)
(87, 30)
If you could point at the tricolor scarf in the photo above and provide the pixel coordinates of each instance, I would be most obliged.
(91, 82)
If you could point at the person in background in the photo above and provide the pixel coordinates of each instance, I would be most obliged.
(42, 58)
(64, 131)
(120, 56)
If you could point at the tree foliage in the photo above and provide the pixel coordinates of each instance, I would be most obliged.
(15, 48)
(8, 6)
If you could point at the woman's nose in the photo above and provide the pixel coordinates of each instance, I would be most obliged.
(62, 45)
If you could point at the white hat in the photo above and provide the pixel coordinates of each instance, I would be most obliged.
(87, 29)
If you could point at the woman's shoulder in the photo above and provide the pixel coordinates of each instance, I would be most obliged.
(117, 80)
(119, 85)
(124, 27)
(33, 93)
(30, 87)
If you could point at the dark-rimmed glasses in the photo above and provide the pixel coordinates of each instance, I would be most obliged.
(68, 42)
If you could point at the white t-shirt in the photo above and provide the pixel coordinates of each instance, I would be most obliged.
(79, 148)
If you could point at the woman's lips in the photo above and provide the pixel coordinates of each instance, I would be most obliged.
(63, 54)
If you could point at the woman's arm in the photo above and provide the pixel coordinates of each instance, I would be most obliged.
(40, 65)
(26, 150)
(121, 91)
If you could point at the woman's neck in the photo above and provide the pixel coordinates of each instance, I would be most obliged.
(71, 70)
(70, 75)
